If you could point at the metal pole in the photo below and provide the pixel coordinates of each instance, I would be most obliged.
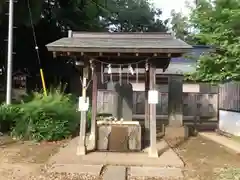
(10, 52)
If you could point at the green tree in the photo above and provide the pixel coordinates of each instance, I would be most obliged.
(123, 15)
(179, 25)
(217, 23)
(72, 13)
(133, 16)
(21, 12)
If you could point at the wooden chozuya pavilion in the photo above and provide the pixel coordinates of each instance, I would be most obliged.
(147, 50)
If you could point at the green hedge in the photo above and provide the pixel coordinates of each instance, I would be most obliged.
(8, 115)
(49, 118)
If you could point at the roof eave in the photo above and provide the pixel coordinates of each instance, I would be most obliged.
(181, 50)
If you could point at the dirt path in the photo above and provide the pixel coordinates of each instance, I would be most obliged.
(204, 159)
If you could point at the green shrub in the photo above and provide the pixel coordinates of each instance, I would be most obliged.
(50, 118)
(8, 115)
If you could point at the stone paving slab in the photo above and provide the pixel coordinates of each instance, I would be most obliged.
(167, 159)
(155, 172)
(115, 173)
(94, 170)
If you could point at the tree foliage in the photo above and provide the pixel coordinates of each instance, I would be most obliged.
(133, 16)
(179, 25)
(123, 15)
(217, 24)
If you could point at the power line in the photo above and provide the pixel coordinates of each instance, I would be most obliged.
(34, 32)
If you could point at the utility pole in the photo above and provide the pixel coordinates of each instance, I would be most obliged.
(10, 53)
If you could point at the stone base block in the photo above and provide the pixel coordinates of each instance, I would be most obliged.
(131, 138)
(176, 135)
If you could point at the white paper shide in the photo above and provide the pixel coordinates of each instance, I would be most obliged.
(83, 104)
(152, 97)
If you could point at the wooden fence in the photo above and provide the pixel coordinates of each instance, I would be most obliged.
(202, 105)
(229, 96)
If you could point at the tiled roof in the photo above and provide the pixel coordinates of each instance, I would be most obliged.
(120, 42)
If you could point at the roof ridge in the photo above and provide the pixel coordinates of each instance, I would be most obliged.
(132, 35)
(88, 32)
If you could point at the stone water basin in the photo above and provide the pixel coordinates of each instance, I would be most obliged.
(118, 136)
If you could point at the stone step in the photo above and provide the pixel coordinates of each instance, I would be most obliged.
(115, 173)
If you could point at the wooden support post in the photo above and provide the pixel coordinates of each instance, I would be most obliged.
(146, 120)
(92, 137)
(175, 103)
(81, 150)
(153, 152)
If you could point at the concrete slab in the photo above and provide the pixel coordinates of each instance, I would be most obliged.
(115, 173)
(155, 172)
(166, 159)
(94, 170)
(170, 159)
(68, 155)
(161, 147)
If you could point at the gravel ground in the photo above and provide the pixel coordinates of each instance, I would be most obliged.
(44, 174)
(204, 159)
(143, 178)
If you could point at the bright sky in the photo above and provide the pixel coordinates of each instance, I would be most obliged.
(167, 5)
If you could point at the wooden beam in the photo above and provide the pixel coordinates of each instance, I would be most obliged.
(94, 106)
(146, 121)
(139, 55)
